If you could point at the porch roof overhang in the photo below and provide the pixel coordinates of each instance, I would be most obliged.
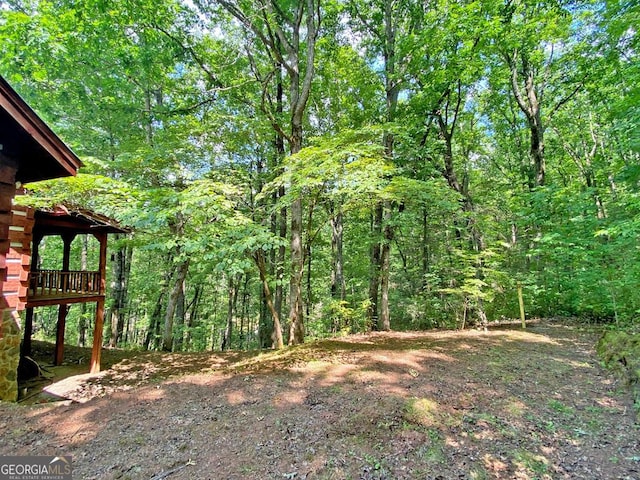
(25, 139)
(63, 220)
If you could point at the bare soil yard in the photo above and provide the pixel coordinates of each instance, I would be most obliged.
(503, 404)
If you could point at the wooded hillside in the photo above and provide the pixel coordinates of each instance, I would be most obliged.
(297, 169)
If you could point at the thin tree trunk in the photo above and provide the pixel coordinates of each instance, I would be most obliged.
(296, 302)
(118, 293)
(214, 318)
(280, 262)
(191, 319)
(277, 340)
(384, 322)
(153, 333)
(244, 318)
(282, 225)
(374, 279)
(179, 322)
(296, 308)
(231, 307)
(425, 251)
(446, 130)
(338, 287)
(309, 299)
(172, 304)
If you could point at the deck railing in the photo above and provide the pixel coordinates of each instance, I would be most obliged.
(55, 282)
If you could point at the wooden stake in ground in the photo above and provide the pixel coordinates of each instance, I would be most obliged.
(521, 302)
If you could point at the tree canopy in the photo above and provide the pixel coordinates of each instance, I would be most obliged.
(303, 169)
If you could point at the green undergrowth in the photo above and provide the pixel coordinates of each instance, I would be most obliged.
(620, 352)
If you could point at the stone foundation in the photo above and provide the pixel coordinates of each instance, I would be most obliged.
(10, 337)
(10, 331)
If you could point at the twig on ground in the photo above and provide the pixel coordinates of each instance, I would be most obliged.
(161, 475)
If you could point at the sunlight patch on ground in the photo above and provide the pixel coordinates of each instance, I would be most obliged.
(236, 397)
(289, 397)
(151, 394)
(493, 464)
(314, 366)
(515, 407)
(524, 336)
(574, 363)
(529, 463)
(336, 374)
(422, 411)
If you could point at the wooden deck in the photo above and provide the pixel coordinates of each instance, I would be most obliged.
(61, 299)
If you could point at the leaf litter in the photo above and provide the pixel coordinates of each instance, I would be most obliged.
(502, 404)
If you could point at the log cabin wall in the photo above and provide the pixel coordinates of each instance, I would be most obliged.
(19, 256)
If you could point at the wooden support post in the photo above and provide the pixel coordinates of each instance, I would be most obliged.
(60, 326)
(67, 239)
(97, 337)
(99, 320)
(35, 250)
(28, 331)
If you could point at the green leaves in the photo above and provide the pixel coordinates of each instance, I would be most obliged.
(349, 167)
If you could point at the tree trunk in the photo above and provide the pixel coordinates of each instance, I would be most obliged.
(280, 261)
(384, 322)
(296, 308)
(281, 36)
(153, 333)
(583, 158)
(467, 232)
(282, 221)
(392, 91)
(244, 317)
(374, 279)
(529, 104)
(338, 287)
(296, 302)
(309, 300)
(191, 318)
(179, 322)
(118, 293)
(277, 340)
(231, 307)
(172, 304)
(425, 263)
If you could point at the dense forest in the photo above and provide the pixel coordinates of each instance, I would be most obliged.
(299, 169)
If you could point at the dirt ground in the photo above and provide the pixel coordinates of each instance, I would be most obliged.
(503, 404)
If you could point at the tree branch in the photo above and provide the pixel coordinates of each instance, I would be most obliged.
(564, 100)
(313, 26)
(370, 27)
(511, 61)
